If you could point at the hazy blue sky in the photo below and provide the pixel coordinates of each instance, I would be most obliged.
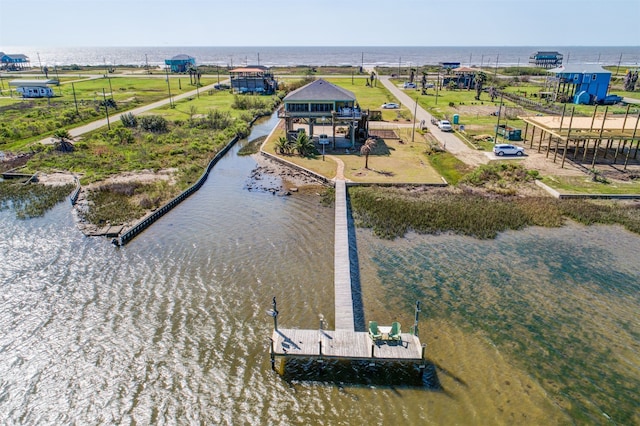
(319, 23)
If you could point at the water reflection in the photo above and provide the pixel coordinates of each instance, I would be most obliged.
(531, 328)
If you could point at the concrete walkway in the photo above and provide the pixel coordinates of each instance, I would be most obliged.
(448, 140)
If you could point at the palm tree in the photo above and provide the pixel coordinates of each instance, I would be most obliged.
(63, 142)
(481, 78)
(366, 149)
(304, 145)
(282, 145)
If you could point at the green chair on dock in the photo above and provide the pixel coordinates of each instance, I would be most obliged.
(394, 334)
(374, 333)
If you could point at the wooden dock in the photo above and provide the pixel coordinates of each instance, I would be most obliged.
(343, 343)
(348, 345)
(342, 266)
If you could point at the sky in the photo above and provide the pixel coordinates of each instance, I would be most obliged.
(69, 23)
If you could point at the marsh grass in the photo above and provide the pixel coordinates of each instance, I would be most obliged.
(31, 200)
(119, 203)
(252, 147)
(392, 212)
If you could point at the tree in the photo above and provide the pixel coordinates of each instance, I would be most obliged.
(493, 93)
(304, 145)
(366, 149)
(481, 78)
(630, 80)
(283, 146)
(63, 142)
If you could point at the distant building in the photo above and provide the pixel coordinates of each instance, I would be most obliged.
(582, 84)
(13, 61)
(34, 88)
(181, 63)
(464, 77)
(449, 65)
(253, 79)
(547, 60)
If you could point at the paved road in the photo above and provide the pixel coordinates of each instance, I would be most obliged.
(448, 140)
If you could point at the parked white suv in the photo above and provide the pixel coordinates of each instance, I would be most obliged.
(445, 126)
(507, 149)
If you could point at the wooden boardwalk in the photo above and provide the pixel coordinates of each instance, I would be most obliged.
(342, 266)
(351, 345)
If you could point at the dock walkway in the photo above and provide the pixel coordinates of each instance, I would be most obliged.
(344, 317)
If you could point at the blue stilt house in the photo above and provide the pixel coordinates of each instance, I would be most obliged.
(546, 59)
(13, 61)
(582, 84)
(181, 63)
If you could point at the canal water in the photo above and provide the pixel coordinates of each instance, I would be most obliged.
(536, 327)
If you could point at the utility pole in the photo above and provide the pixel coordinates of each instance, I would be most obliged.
(415, 113)
(75, 100)
(168, 87)
(106, 109)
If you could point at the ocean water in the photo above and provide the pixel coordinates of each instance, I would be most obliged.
(628, 56)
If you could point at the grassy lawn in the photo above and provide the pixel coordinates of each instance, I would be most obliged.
(219, 100)
(586, 185)
(390, 162)
(372, 97)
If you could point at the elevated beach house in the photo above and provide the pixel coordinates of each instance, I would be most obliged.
(546, 59)
(581, 84)
(34, 88)
(13, 61)
(181, 63)
(321, 103)
(253, 79)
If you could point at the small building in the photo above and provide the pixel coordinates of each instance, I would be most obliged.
(544, 59)
(463, 77)
(253, 79)
(581, 84)
(449, 65)
(181, 63)
(321, 102)
(13, 61)
(34, 88)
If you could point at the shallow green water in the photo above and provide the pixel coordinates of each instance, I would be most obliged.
(561, 303)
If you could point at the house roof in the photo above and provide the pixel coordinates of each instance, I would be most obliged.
(250, 69)
(464, 69)
(320, 90)
(14, 56)
(182, 58)
(580, 69)
(32, 83)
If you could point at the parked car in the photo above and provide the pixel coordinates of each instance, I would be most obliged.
(409, 85)
(445, 126)
(390, 105)
(507, 149)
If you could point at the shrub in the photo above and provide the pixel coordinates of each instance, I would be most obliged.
(129, 120)
(153, 123)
